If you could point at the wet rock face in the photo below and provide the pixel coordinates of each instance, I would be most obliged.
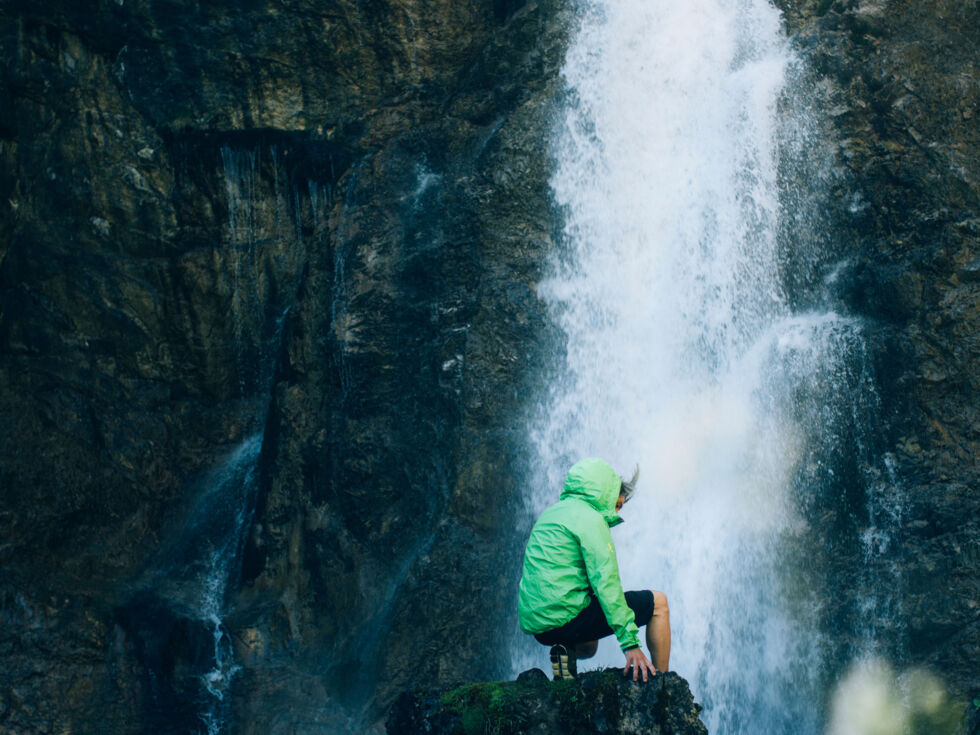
(897, 84)
(313, 226)
(596, 702)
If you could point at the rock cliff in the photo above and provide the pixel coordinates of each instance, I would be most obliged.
(596, 702)
(897, 88)
(315, 226)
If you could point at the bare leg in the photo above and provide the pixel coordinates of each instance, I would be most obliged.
(587, 649)
(658, 632)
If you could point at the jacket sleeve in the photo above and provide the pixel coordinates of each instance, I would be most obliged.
(602, 569)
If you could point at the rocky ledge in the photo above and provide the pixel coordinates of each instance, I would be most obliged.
(596, 702)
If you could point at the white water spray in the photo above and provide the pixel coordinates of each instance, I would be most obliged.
(682, 352)
(226, 510)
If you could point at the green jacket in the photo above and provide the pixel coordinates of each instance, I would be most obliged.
(570, 551)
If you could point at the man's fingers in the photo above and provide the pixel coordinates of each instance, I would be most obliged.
(638, 663)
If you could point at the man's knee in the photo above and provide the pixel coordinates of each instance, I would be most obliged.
(587, 649)
(660, 607)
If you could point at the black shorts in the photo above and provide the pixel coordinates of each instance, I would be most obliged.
(591, 624)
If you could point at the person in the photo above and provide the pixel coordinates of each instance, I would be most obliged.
(570, 590)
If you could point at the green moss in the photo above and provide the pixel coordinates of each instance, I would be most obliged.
(943, 720)
(504, 707)
(501, 707)
(484, 707)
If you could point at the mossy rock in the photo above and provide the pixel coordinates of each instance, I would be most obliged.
(596, 702)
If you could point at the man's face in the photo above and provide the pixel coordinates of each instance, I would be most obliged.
(619, 502)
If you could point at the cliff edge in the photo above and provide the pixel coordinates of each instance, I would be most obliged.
(596, 702)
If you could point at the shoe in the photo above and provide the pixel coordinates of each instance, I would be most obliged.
(562, 662)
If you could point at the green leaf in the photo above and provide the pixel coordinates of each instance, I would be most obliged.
(976, 702)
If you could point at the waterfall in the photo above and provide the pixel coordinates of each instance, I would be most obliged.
(241, 171)
(682, 352)
(224, 514)
(179, 610)
(204, 561)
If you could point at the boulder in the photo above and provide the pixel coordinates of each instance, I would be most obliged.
(595, 702)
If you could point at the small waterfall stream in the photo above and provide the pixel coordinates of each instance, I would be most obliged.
(223, 517)
(185, 593)
(683, 353)
(227, 503)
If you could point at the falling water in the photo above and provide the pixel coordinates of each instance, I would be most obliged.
(242, 178)
(682, 351)
(215, 535)
(194, 574)
(225, 508)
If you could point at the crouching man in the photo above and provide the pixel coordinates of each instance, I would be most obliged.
(570, 592)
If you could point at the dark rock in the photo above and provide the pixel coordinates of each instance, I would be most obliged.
(595, 702)
(971, 719)
(903, 209)
(532, 675)
(316, 224)
(970, 271)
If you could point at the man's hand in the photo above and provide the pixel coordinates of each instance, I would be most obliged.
(637, 660)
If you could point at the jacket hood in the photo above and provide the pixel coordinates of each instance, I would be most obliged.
(595, 482)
